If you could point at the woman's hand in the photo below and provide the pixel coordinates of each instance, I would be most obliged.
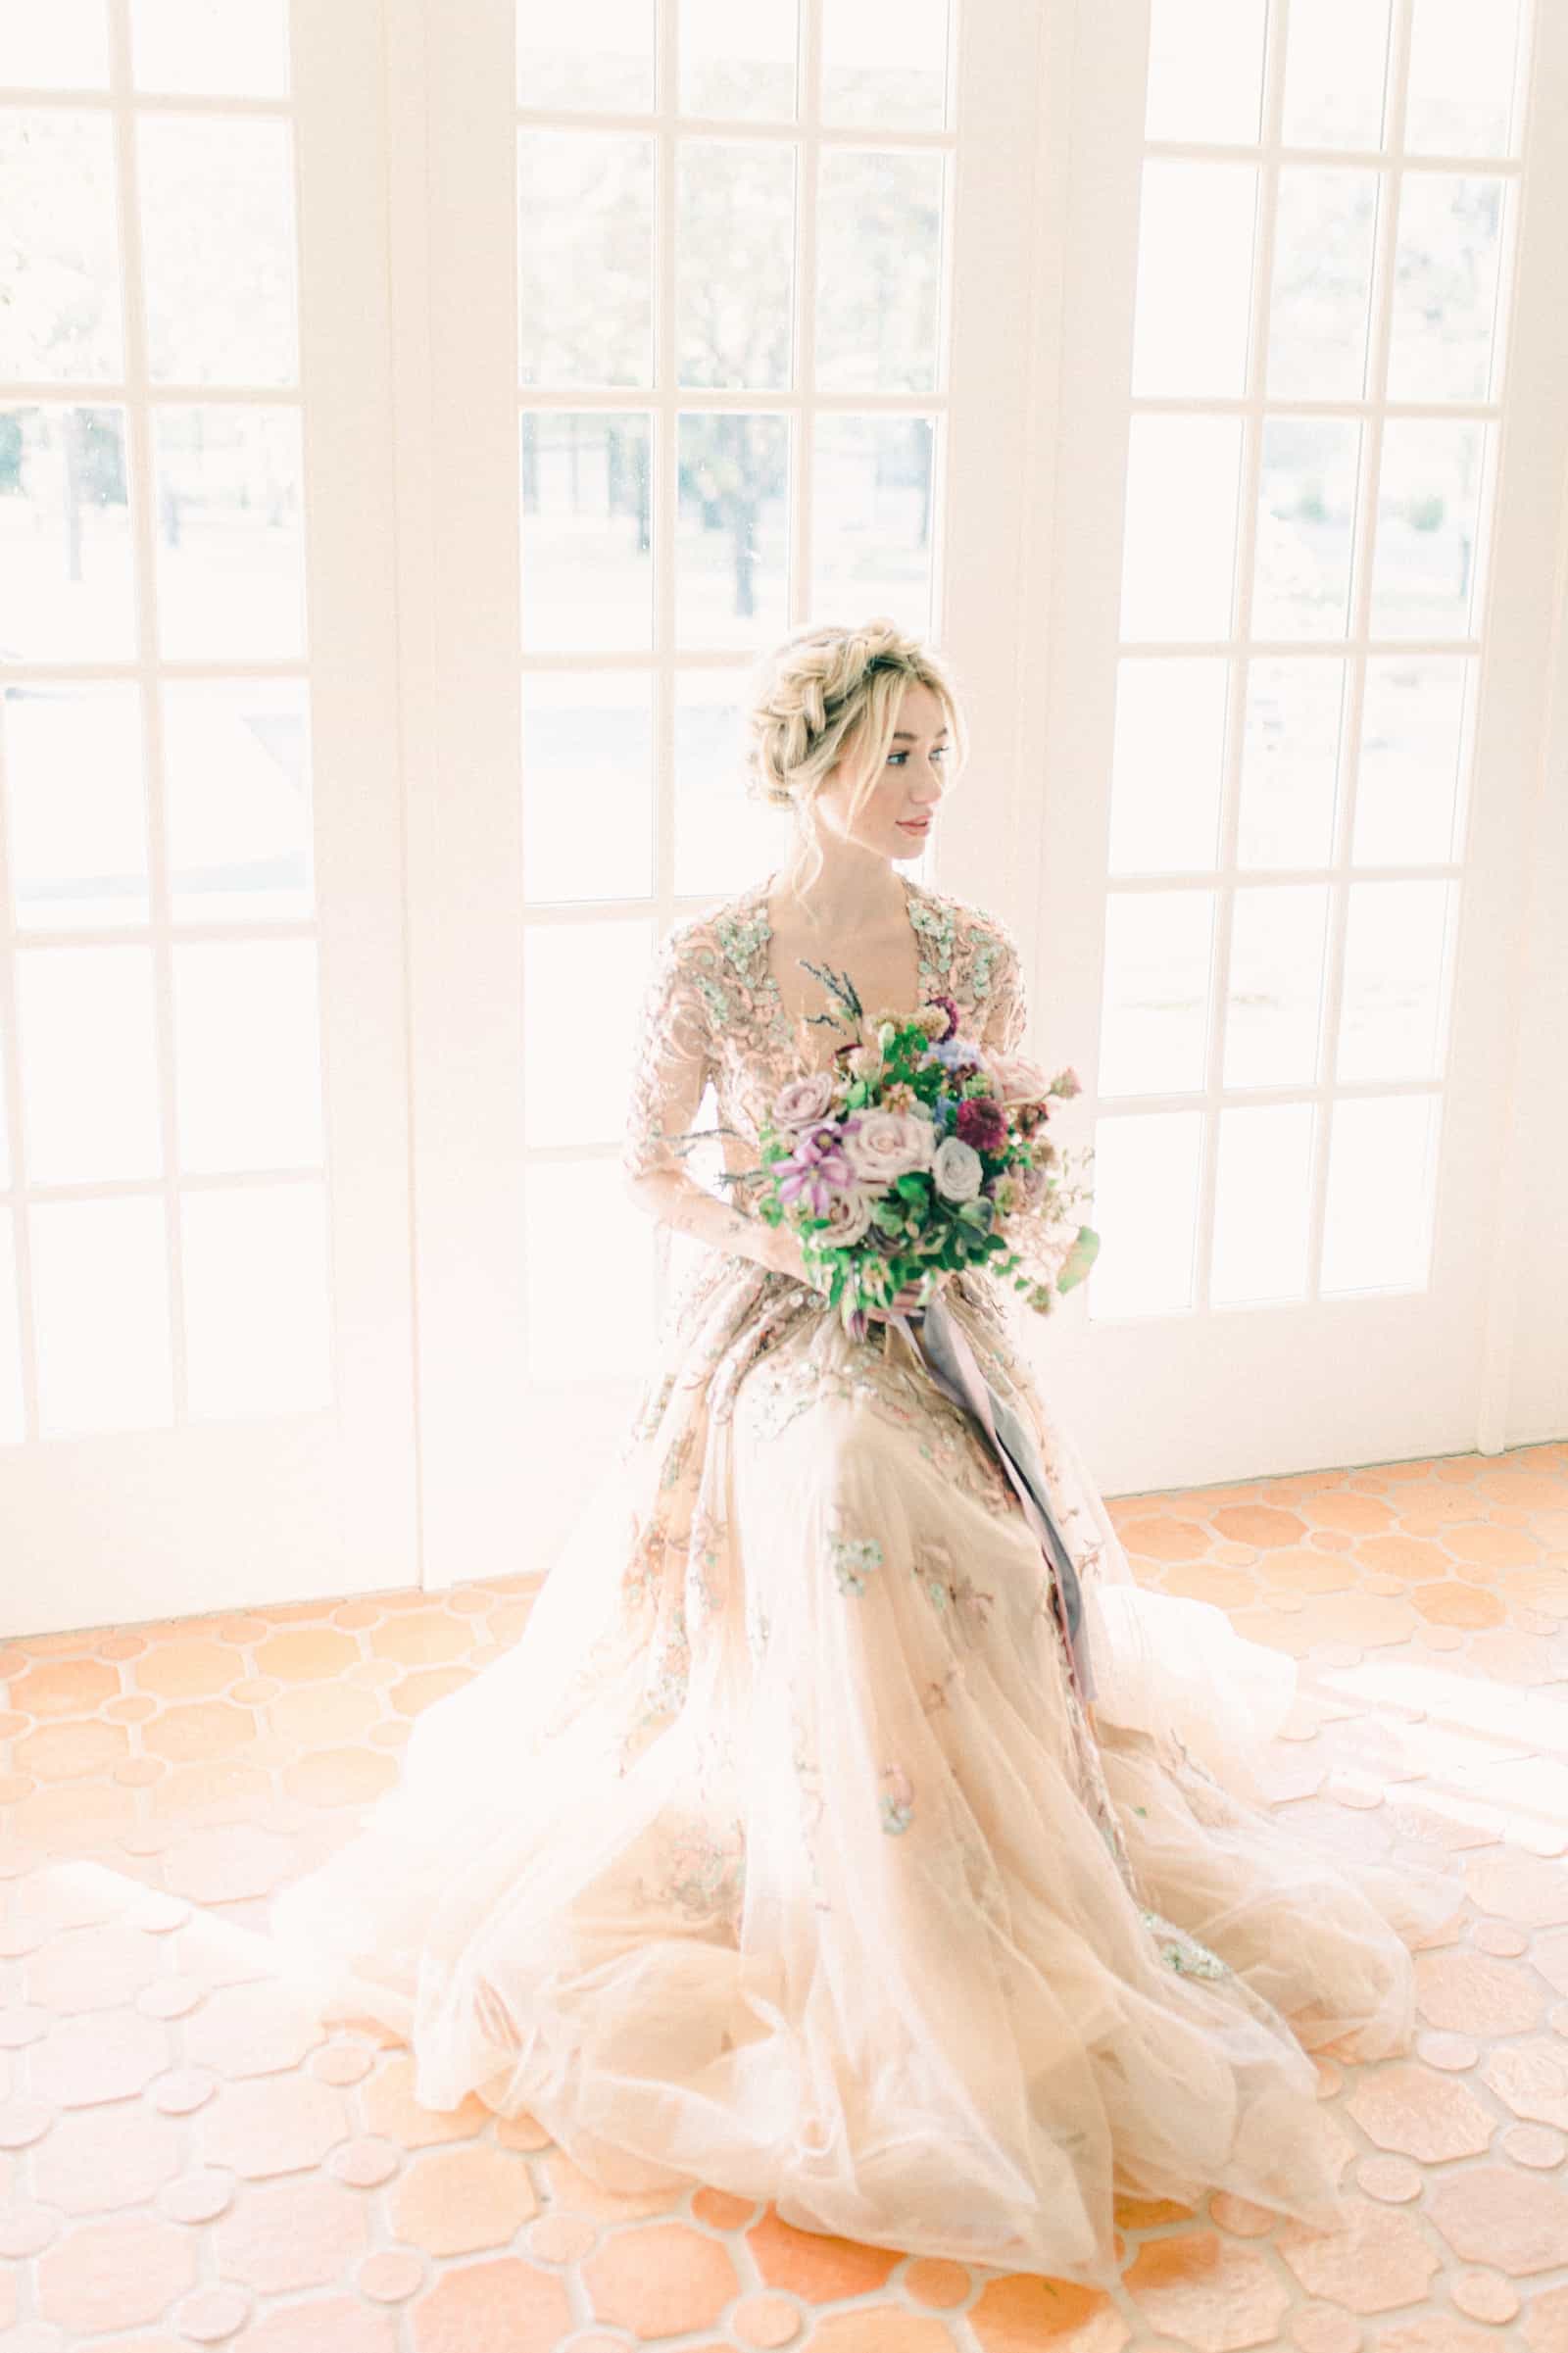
(786, 1254)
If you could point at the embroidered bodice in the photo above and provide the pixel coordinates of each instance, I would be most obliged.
(712, 1013)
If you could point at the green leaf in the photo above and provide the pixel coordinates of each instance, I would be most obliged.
(1079, 1260)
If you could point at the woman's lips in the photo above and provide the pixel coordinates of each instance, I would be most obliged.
(915, 824)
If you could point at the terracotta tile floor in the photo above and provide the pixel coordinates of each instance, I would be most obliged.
(184, 2160)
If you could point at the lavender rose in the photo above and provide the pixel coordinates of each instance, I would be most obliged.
(957, 1170)
(1016, 1079)
(803, 1100)
(848, 1220)
(886, 1145)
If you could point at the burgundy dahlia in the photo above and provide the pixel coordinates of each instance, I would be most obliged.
(982, 1123)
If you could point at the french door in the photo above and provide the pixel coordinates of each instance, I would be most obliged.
(1306, 537)
(206, 1369)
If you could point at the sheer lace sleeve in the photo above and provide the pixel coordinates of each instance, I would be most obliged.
(672, 1061)
(1006, 1014)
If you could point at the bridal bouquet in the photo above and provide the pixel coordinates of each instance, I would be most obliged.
(919, 1151)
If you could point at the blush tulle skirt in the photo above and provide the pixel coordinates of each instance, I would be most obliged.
(780, 1853)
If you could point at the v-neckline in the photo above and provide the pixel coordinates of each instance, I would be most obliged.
(764, 944)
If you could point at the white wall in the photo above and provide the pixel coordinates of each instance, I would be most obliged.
(1538, 1391)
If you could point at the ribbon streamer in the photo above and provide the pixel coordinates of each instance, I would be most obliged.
(943, 1346)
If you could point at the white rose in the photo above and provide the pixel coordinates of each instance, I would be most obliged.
(957, 1169)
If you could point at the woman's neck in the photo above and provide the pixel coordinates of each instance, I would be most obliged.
(857, 889)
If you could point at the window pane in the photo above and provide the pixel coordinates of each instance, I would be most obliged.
(735, 266)
(1396, 950)
(1179, 549)
(211, 51)
(886, 65)
(739, 61)
(1445, 288)
(230, 549)
(587, 785)
(871, 518)
(1275, 995)
(217, 242)
(1154, 1023)
(79, 820)
(587, 533)
(1321, 305)
(237, 799)
(1145, 1208)
(1192, 324)
(1377, 1232)
(589, 1313)
(1336, 67)
(1416, 735)
(600, 54)
(59, 254)
(66, 583)
(879, 271)
(1165, 782)
(100, 1285)
(724, 839)
(733, 538)
(247, 1053)
(1290, 762)
(1465, 78)
(258, 1333)
(585, 258)
(89, 1064)
(1263, 1201)
(580, 980)
(1425, 563)
(61, 47)
(1205, 69)
(1305, 522)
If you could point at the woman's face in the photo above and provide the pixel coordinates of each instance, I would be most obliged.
(899, 809)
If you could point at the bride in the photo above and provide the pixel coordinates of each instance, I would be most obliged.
(781, 1852)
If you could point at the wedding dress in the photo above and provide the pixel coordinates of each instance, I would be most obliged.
(780, 1853)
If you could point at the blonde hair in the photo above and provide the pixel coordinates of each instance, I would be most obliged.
(831, 693)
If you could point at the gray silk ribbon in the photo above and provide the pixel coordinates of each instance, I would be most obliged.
(943, 1347)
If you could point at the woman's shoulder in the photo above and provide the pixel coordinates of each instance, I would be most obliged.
(717, 955)
(959, 921)
(731, 928)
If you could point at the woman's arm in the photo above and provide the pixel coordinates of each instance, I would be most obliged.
(1006, 1012)
(671, 1063)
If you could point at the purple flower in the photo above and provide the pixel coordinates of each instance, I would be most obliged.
(950, 1006)
(816, 1169)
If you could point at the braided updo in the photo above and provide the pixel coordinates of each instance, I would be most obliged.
(829, 694)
